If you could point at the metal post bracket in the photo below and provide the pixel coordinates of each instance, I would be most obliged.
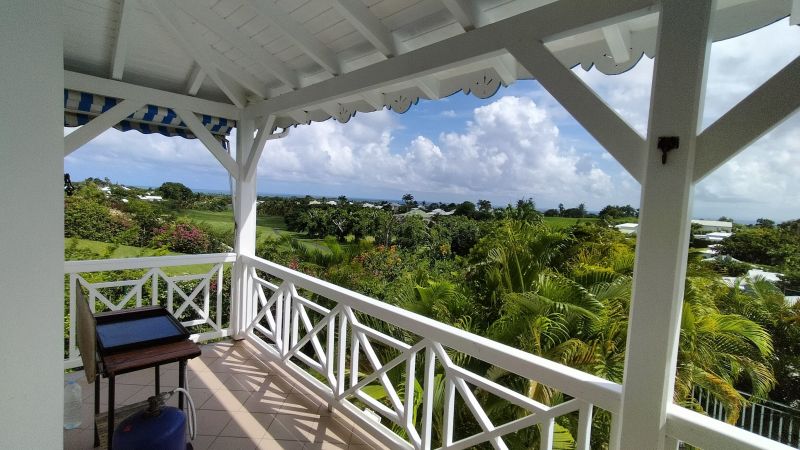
(667, 143)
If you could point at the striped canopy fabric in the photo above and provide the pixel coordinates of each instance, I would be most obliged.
(81, 107)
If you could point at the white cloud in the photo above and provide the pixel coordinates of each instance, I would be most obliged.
(510, 149)
(759, 181)
(512, 146)
(449, 114)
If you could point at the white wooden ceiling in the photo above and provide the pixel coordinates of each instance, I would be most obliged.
(244, 51)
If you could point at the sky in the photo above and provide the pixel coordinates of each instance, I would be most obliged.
(519, 143)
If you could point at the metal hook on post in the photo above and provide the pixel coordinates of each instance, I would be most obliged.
(666, 144)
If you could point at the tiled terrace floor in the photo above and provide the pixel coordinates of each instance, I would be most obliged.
(242, 403)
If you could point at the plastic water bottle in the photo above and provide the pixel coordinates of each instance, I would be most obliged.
(73, 400)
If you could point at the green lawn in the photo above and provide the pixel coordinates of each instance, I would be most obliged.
(223, 221)
(121, 251)
(565, 222)
(112, 251)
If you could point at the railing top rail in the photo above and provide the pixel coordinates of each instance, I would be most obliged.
(710, 434)
(603, 393)
(102, 265)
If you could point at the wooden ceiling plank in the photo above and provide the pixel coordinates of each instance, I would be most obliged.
(310, 45)
(251, 49)
(367, 24)
(165, 12)
(464, 12)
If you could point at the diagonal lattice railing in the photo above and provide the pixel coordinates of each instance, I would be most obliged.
(194, 295)
(402, 374)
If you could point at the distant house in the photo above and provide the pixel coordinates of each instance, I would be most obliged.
(151, 198)
(716, 236)
(713, 230)
(710, 226)
(442, 212)
(314, 202)
(331, 203)
(627, 228)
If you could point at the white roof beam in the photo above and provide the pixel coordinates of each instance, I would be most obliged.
(164, 10)
(506, 68)
(209, 141)
(762, 110)
(605, 125)
(119, 89)
(251, 49)
(618, 41)
(300, 116)
(489, 40)
(374, 99)
(195, 80)
(794, 18)
(298, 34)
(120, 52)
(99, 124)
(464, 11)
(222, 63)
(429, 86)
(355, 12)
(264, 134)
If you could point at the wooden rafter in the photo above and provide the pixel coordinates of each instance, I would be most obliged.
(486, 41)
(210, 142)
(230, 34)
(602, 122)
(762, 110)
(165, 12)
(464, 11)
(195, 80)
(119, 89)
(298, 34)
(355, 12)
(120, 52)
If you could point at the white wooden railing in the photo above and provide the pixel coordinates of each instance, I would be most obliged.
(187, 295)
(323, 338)
(323, 345)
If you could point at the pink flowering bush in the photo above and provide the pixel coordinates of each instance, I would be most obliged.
(182, 237)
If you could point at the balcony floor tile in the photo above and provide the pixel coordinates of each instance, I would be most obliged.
(242, 403)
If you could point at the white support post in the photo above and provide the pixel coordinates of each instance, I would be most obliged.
(32, 220)
(658, 283)
(245, 222)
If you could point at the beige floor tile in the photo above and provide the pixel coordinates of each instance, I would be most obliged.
(233, 443)
(284, 428)
(298, 405)
(202, 442)
(326, 446)
(327, 430)
(247, 382)
(226, 400)
(247, 424)
(272, 444)
(209, 380)
(264, 402)
(241, 402)
(211, 423)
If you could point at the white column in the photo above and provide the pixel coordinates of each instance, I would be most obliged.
(654, 328)
(245, 217)
(31, 224)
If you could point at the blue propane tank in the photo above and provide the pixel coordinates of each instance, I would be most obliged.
(158, 427)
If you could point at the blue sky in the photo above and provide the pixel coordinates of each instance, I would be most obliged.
(518, 143)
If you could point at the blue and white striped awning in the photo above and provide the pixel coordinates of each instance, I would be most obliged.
(81, 107)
